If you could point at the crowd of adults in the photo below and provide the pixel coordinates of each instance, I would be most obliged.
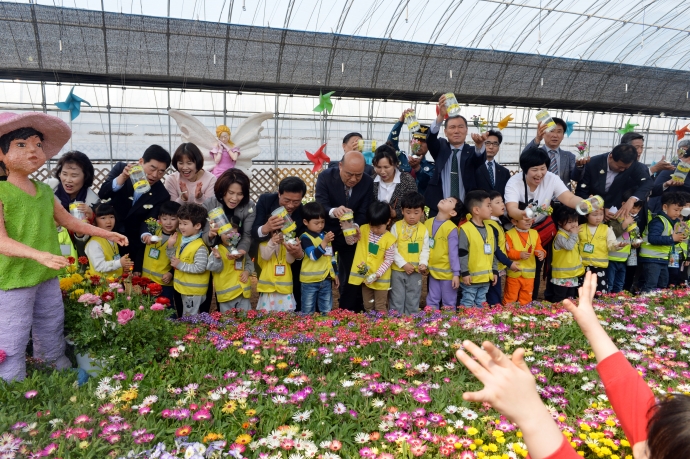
(546, 175)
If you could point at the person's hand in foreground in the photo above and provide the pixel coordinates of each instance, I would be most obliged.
(509, 387)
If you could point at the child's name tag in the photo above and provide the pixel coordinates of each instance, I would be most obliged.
(588, 248)
(280, 270)
(154, 253)
(66, 250)
(487, 249)
(413, 247)
(116, 257)
(431, 243)
(239, 265)
(329, 251)
(674, 259)
(373, 248)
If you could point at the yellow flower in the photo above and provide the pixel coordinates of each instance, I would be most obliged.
(241, 351)
(76, 277)
(66, 284)
(282, 365)
(84, 444)
(472, 431)
(357, 360)
(243, 439)
(250, 412)
(77, 293)
(229, 407)
(71, 269)
(129, 395)
(211, 436)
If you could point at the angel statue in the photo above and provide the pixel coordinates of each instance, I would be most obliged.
(221, 153)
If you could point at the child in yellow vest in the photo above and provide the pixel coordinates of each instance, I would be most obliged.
(104, 255)
(444, 263)
(523, 246)
(156, 262)
(476, 248)
(411, 256)
(374, 255)
(231, 279)
(67, 249)
(275, 280)
(596, 240)
(189, 258)
(316, 273)
(566, 265)
(498, 209)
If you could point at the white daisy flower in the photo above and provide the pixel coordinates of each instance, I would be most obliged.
(362, 438)
(303, 416)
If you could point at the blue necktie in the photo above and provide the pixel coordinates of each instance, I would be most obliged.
(553, 167)
(490, 168)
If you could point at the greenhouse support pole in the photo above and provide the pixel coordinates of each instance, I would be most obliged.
(169, 124)
(275, 139)
(225, 107)
(110, 126)
(45, 110)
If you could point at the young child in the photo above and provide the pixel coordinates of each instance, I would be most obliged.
(498, 209)
(679, 276)
(231, 279)
(104, 255)
(374, 255)
(524, 246)
(596, 240)
(659, 240)
(275, 280)
(476, 249)
(632, 274)
(67, 250)
(317, 271)
(618, 258)
(189, 258)
(444, 262)
(156, 262)
(566, 265)
(411, 256)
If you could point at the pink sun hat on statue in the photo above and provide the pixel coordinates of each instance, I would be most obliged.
(56, 133)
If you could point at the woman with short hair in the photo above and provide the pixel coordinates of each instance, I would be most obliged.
(390, 185)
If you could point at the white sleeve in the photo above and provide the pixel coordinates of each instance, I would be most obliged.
(434, 127)
(95, 254)
(426, 250)
(514, 189)
(556, 185)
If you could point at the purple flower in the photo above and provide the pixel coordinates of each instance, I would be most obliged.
(30, 393)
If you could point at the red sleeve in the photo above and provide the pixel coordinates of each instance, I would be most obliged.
(566, 451)
(630, 396)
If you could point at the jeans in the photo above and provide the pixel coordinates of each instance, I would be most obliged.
(616, 276)
(655, 276)
(475, 294)
(317, 295)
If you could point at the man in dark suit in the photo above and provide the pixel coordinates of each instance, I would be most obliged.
(133, 209)
(456, 161)
(291, 191)
(491, 176)
(610, 174)
(346, 189)
(563, 163)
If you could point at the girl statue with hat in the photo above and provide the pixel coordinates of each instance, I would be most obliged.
(30, 297)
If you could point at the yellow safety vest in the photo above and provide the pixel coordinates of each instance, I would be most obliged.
(528, 266)
(621, 254)
(439, 260)
(110, 250)
(269, 282)
(155, 267)
(501, 239)
(648, 250)
(315, 271)
(188, 283)
(227, 282)
(599, 258)
(480, 263)
(363, 254)
(404, 245)
(566, 264)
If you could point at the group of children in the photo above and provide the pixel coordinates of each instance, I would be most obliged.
(465, 248)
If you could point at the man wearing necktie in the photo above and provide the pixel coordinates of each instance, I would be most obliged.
(563, 163)
(456, 161)
(491, 176)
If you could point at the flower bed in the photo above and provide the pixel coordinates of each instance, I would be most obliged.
(281, 385)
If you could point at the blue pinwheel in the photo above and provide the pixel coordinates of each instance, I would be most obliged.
(72, 104)
(570, 127)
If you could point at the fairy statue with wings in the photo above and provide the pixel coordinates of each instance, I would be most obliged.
(220, 152)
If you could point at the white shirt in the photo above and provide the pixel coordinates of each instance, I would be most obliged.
(550, 188)
(386, 189)
(610, 176)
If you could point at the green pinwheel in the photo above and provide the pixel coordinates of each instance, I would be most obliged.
(629, 127)
(324, 102)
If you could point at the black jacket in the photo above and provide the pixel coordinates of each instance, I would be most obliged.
(266, 204)
(440, 150)
(593, 182)
(501, 176)
(130, 216)
(330, 193)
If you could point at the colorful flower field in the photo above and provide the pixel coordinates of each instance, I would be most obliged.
(286, 386)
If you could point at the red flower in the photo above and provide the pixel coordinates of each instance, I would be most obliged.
(107, 296)
(163, 300)
(71, 260)
(95, 279)
(83, 260)
(125, 275)
(3, 355)
(155, 289)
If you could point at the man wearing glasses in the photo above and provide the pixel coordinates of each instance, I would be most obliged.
(491, 176)
(346, 188)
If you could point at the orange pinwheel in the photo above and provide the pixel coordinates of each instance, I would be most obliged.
(504, 122)
(318, 158)
(680, 133)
